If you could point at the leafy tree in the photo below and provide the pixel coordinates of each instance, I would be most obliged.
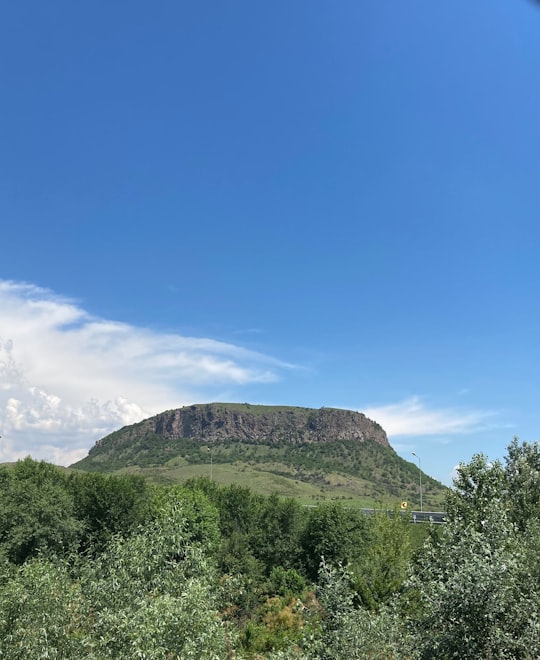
(476, 596)
(522, 473)
(275, 628)
(477, 583)
(42, 613)
(37, 513)
(107, 505)
(198, 517)
(345, 631)
(151, 594)
(334, 533)
(479, 487)
(384, 566)
(154, 593)
(285, 582)
(276, 538)
(239, 510)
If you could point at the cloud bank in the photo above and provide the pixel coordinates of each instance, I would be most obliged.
(411, 417)
(67, 378)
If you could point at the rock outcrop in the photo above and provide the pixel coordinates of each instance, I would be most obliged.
(216, 422)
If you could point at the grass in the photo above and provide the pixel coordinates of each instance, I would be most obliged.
(266, 479)
(358, 472)
(252, 409)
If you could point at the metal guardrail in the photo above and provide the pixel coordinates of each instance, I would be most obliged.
(435, 517)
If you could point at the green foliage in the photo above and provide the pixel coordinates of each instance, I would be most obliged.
(479, 487)
(197, 516)
(345, 631)
(239, 513)
(276, 626)
(476, 596)
(42, 613)
(285, 582)
(204, 571)
(476, 584)
(276, 537)
(107, 505)
(37, 514)
(239, 509)
(523, 482)
(154, 602)
(333, 533)
(153, 593)
(383, 568)
(46, 510)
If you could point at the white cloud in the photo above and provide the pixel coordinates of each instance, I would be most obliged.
(68, 378)
(412, 417)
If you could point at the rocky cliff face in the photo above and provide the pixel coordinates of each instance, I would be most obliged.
(216, 422)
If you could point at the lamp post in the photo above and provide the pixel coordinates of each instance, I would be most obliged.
(420, 473)
(211, 466)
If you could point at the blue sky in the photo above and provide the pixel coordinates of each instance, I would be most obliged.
(304, 203)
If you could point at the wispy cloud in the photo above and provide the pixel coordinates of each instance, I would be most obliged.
(67, 377)
(412, 417)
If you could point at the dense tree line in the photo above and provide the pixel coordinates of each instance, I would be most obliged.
(98, 566)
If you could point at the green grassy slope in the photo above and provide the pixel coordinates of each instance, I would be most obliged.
(360, 472)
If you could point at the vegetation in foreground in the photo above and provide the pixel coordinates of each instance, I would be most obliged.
(99, 566)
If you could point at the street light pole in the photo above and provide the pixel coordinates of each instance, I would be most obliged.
(420, 473)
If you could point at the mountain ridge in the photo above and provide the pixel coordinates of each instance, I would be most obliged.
(245, 421)
(314, 447)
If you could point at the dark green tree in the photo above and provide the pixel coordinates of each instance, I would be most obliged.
(277, 533)
(107, 505)
(334, 533)
(37, 512)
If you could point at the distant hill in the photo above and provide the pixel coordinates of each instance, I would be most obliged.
(311, 454)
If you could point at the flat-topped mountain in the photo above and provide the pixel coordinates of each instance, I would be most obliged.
(325, 448)
(213, 422)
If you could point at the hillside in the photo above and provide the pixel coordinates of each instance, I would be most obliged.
(310, 454)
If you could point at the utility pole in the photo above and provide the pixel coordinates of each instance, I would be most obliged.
(211, 466)
(420, 473)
